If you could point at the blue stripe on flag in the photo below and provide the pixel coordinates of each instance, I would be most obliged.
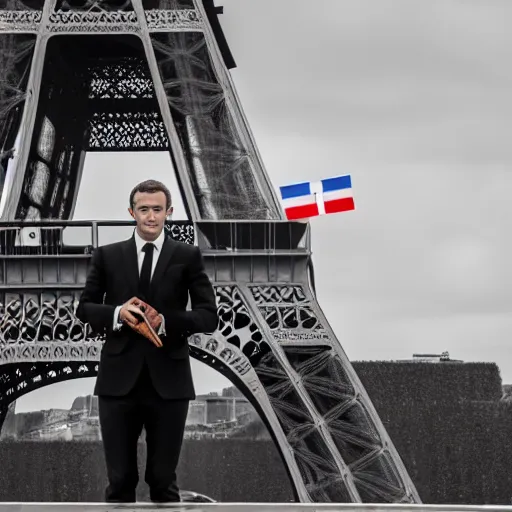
(336, 183)
(295, 190)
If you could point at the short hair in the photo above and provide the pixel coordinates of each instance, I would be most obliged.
(151, 186)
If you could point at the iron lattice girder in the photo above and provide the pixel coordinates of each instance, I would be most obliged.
(111, 95)
(123, 113)
(334, 432)
(72, 21)
(195, 98)
(17, 379)
(120, 78)
(272, 341)
(127, 131)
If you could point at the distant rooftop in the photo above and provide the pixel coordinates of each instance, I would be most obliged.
(431, 358)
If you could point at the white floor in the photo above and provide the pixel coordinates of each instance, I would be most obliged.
(246, 507)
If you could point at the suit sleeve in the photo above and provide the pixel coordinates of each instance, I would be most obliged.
(203, 317)
(91, 308)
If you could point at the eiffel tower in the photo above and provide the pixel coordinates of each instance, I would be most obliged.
(153, 75)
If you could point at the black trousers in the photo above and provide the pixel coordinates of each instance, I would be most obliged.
(122, 420)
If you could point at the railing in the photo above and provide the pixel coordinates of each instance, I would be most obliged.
(75, 238)
(253, 236)
(78, 238)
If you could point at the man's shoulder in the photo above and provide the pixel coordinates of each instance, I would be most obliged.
(184, 249)
(183, 246)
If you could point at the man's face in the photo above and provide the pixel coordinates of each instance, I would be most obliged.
(149, 211)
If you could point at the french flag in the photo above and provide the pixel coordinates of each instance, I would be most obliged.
(310, 199)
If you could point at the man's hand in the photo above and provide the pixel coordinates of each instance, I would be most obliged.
(130, 313)
(151, 313)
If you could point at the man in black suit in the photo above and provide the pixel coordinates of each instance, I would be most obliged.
(138, 384)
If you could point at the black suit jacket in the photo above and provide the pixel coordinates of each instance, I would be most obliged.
(113, 279)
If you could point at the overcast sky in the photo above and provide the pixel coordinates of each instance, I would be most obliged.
(412, 98)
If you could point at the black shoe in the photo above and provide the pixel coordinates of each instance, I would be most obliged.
(120, 497)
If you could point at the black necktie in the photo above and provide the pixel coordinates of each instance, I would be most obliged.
(145, 273)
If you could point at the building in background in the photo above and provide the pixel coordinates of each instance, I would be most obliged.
(431, 358)
(209, 416)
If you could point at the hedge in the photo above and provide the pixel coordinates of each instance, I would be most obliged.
(449, 425)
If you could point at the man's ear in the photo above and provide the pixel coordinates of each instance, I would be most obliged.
(169, 211)
(130, 211)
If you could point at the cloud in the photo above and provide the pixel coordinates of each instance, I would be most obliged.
(422, 80)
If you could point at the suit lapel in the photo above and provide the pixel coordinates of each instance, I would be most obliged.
(168, 248)
(131, 265)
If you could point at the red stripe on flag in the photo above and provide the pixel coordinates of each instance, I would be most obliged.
(339, 205)
(301, 212)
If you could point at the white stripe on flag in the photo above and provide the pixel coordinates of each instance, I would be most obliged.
(338, 194)
(317, 189)
(298, 201)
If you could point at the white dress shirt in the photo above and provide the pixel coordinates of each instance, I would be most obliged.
(140, 243)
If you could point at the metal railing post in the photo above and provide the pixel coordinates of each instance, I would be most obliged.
(94, 234)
